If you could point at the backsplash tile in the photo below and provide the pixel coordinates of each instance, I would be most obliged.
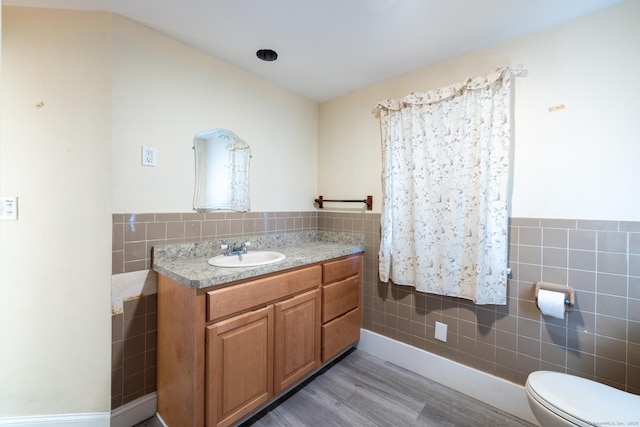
(135, 234)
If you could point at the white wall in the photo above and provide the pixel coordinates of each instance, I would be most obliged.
(55, 317)
(164, 93)
(580, 162)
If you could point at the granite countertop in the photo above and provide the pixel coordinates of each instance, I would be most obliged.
(187, 263)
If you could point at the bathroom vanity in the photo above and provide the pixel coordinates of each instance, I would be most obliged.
(231, 340)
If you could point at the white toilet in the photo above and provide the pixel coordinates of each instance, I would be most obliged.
(559, 400)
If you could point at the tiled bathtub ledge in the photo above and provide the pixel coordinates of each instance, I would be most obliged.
(132, 285)
(186, 263)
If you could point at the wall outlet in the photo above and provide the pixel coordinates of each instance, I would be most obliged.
(148, 156)
(441, 332)
(9, 208)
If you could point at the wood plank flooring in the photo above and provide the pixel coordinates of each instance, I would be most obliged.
(363, 390)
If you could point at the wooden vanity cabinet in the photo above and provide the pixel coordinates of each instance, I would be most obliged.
(223, 353)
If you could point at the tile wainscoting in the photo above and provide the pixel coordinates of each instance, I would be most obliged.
(133, 350)
(599, 340)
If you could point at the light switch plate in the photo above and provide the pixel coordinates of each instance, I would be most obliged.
(8, 208)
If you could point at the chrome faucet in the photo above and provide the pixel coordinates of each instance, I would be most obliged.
(235, 249)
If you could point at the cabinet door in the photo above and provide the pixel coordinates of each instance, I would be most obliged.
(239, 366)
(297, 339)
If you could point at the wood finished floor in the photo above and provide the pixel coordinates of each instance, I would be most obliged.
(363, 390)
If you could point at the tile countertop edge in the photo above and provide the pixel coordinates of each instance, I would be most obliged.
(196, 273)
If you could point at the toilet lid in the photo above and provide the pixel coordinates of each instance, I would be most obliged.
(589, 401)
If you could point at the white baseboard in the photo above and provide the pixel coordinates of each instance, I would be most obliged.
(95, 419)
(494, 391)
(134, 412)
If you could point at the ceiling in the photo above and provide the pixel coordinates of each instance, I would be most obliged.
(328, 48)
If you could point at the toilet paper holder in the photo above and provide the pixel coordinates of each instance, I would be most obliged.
(569, 292)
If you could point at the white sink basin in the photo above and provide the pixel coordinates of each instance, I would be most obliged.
(250, 259)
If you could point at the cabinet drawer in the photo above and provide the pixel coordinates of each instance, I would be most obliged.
(340, 269)
(244, 296)
(340, 297)
(340, 333)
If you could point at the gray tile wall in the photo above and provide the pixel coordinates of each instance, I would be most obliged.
(599, 340)
(133, 350)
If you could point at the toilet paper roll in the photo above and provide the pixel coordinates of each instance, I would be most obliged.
(551, 303)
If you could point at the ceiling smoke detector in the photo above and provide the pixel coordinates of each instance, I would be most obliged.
(267, 55)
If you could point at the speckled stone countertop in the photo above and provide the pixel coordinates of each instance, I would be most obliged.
(187, 263)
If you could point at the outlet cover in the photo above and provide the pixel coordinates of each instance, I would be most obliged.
(441, 332)
(9, 208)
(148, 156)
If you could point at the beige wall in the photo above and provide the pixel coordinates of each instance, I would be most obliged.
(55, 261)
(580, 162)
(164, 93)
(109, 86)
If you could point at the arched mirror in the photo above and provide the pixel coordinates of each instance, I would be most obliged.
(222, 171)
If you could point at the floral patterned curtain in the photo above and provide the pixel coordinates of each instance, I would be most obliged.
(239, 156)
(446, 159)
